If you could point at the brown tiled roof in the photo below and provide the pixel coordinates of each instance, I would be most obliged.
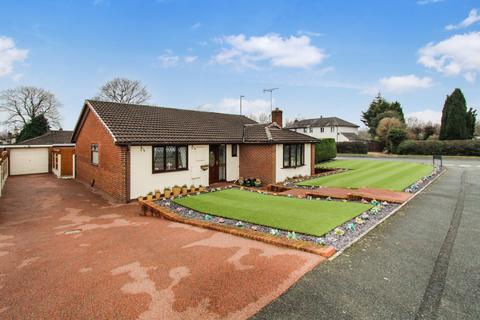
(270, 132)
(138, 124)
(321, 122)
(52, 137)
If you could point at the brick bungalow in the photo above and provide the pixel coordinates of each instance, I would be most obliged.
(128, 150)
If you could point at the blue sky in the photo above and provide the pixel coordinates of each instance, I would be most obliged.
(328, 58)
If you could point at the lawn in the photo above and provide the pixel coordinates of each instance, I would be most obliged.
(390, 175)
(306, 216)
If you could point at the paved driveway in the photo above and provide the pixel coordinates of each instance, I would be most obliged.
(67, 253)
(422, 263)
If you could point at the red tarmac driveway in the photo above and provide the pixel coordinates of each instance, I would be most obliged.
(68, 253)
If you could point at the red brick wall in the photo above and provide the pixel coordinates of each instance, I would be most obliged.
(110, 175)
(312, 159)
(258, 161)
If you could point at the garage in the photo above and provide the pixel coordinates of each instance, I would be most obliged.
(50, 152)
(28, 160)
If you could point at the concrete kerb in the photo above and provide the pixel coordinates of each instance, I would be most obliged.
(339, 252)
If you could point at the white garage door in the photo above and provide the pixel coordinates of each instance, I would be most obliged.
(28, 161)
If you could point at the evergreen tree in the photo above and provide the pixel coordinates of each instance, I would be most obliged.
(454, 117)
(379, 109)
(471, 121)
(38, 126)
(443, 123)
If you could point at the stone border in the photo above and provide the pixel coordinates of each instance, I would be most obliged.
(363, 234)
(168, 214)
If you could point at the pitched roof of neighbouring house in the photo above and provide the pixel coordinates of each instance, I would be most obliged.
(140, 124)
(52, 137)
(350, 136)
(321, 122)
(271, 132)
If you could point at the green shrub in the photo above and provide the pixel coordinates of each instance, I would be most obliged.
(359, 147)
(442, 147)
(325, 150)
(395, 137)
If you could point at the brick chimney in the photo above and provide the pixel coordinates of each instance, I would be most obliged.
(277, 117)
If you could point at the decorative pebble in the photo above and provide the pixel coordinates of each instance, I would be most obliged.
(320, 241)
(385, 203)
(254, 228)
(221, 220)
(329, 199)
(351, 226)
(207, 217)
(339, 231)
(239, 224)
(365, 216)
(364, 201)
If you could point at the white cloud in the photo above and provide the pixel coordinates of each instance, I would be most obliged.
(310, 33)
(293, 52)
(457, 55)
(9, 55)
(424, 2)
(427, 115)
(405, 83)
(195, 26)
(190, 59)
(232, 105)
(170, 60)
(472, 18)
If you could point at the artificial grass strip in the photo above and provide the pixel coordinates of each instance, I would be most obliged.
(313, 217)
(390, 175)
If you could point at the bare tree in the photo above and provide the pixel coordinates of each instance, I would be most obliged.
(260, 117)
(22, 104)
(124, 91)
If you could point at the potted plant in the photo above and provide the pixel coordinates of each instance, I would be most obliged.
(201, 188)
(167, 192)
(258, 183)
(241, 181)
(247, 182)
(184, 189)
(176, 190)
(192, 189)
(150, 196)
(158, 194)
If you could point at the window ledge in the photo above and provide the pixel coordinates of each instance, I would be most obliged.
(293, 167)
(167, 171)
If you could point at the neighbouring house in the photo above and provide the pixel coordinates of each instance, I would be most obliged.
(51, 152)
(129, 150)
(327, 127)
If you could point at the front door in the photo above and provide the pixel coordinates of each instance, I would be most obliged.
(217, 163)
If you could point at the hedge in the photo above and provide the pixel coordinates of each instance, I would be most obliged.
(325, 150)
(440, 147)
(359, 147)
